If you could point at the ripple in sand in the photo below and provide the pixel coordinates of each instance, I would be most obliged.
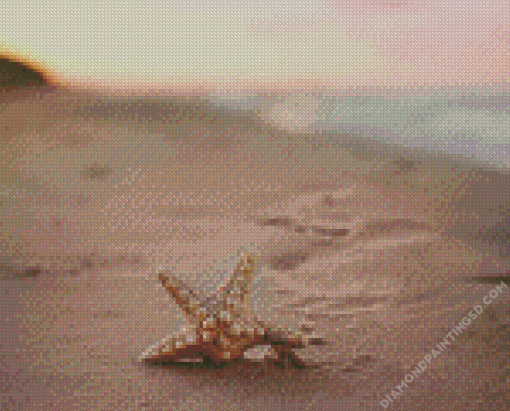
(96, 172)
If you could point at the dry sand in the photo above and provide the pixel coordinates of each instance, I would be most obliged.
(381, 250)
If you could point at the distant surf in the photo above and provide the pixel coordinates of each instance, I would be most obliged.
(473, 123)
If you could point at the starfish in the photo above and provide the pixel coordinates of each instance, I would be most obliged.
(222, 328)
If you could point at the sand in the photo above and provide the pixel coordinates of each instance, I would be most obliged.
(380, 250)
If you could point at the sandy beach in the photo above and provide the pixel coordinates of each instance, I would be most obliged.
(381, 250)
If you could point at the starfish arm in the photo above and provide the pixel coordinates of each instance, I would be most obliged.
(182, 294)
(174, 347)
(279, 336)
(235, 293)
(283, 336)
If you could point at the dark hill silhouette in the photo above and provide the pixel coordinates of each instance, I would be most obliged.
(14, 74)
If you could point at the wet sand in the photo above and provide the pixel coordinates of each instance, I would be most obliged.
(381, 250)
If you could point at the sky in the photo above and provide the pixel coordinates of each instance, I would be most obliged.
(229, 45)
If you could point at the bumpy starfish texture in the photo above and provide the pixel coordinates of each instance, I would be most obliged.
(222, 328)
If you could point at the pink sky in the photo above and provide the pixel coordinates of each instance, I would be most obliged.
(276, 44)
(450, 40)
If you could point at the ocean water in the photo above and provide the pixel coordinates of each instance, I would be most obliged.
(473, 123)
